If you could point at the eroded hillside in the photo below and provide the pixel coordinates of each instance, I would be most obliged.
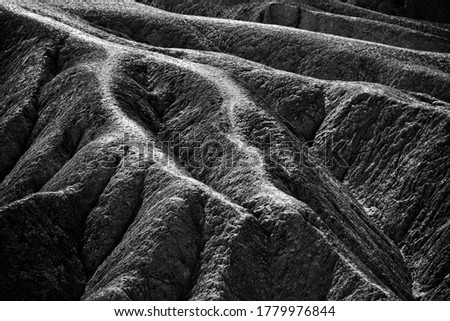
(149, 155)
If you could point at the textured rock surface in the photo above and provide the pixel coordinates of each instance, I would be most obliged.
(332, 17)
(148, 155)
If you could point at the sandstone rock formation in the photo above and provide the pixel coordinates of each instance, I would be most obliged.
(148, 155)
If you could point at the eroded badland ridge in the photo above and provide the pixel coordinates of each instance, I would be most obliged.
(153, 155)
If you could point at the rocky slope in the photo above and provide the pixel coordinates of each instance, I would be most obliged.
(431, 10)
(148, 155)
(326, 16)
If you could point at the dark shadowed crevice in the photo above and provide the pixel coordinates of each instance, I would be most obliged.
(198, 218)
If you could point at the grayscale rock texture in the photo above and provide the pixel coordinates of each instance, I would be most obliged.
(308, 159)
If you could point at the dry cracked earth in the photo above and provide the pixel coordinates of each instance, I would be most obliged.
(151, 154)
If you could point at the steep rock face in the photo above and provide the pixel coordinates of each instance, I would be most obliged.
(397, 165)
(281, 14)
(151, 169)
